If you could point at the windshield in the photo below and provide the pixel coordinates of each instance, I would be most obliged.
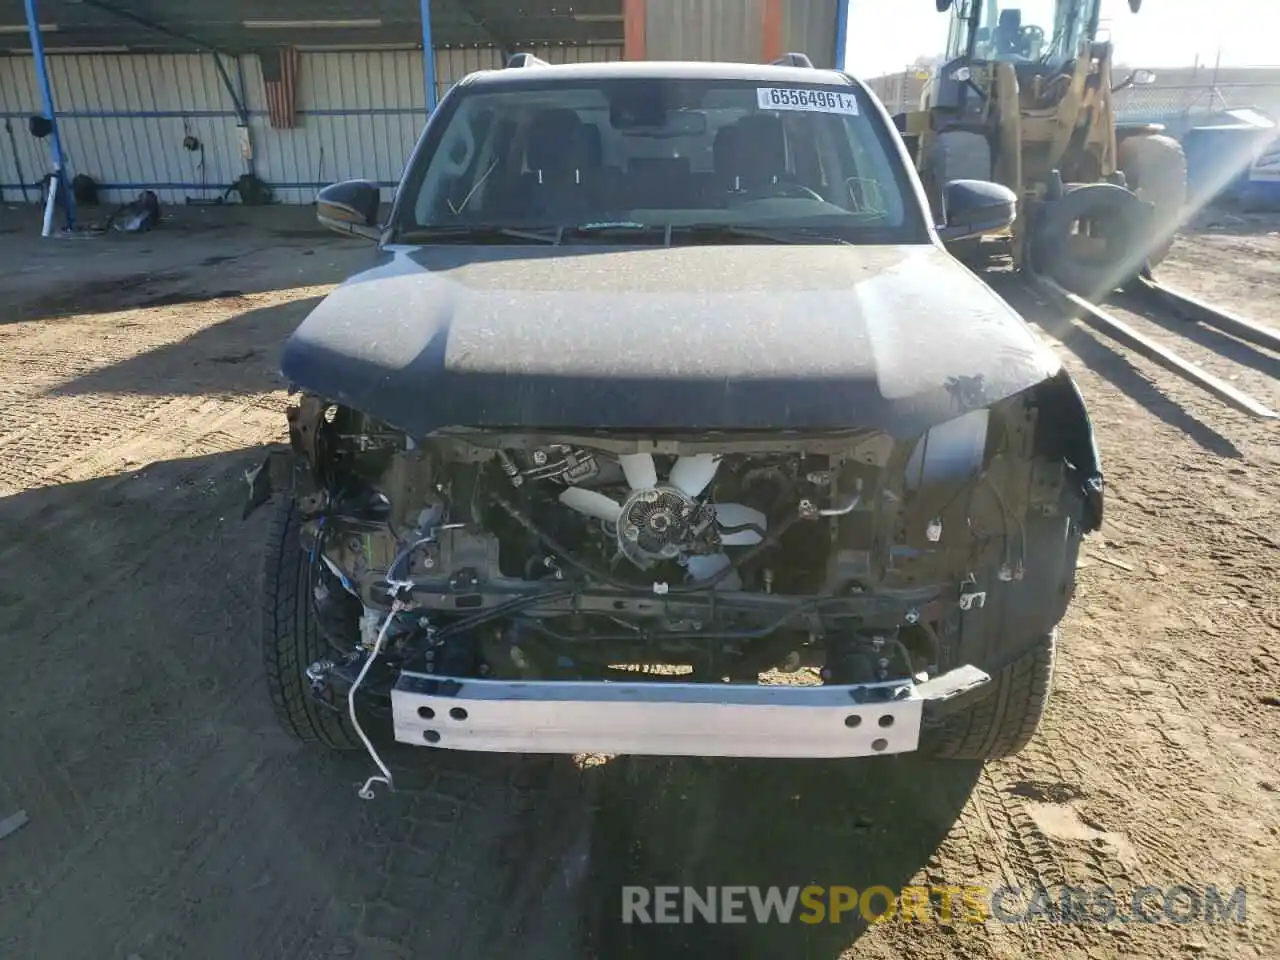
(1027, 31)
(662, 158)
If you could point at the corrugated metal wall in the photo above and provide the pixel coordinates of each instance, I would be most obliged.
(734, 30)
(123, 119)
(810, 28)
(359, 115)
(598, 53)
(730, 30)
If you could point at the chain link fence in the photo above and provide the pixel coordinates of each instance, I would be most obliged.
(1184, 106)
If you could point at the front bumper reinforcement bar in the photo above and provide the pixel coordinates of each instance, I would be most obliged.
(674, 719)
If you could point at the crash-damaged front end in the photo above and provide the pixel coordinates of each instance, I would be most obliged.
(795, 593)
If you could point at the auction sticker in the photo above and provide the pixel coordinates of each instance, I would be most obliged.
(814, 100)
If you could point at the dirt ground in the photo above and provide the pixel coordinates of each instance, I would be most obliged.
(169, 818)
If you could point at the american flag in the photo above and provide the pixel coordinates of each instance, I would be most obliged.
(280, 77)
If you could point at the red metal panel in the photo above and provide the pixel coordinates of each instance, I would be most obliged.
(772, 30)
(633, 14)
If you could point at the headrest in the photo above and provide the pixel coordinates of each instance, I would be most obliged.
(759, 149)
(724, 148)
(589, 147)
(552, 135)
(1011, 19)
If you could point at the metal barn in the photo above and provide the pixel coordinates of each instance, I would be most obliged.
(185, 96)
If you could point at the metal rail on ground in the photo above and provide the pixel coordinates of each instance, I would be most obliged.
(1157, 352)
(1201, 312)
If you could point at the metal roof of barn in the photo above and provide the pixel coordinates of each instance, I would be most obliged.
(237, 26)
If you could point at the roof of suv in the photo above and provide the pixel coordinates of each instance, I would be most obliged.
(656, 69)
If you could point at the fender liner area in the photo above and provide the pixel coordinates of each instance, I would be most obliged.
(1066, 431)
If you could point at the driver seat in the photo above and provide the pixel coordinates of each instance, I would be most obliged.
(752, 153)
(555, 153)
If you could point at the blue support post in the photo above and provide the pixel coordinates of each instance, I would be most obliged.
(428, 59)
(842, 31)
(58, 181)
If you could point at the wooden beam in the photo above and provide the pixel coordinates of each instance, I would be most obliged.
(772, 30)
(633, 14)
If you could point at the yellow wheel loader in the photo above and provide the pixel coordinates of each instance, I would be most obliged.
(1025, 98)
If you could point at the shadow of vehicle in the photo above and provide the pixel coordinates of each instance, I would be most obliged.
(701, 823)
(163, 798)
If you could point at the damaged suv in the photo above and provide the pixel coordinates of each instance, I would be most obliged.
(663, 424)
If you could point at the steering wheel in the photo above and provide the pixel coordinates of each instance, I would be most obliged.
(772, 191)
(1029, 37)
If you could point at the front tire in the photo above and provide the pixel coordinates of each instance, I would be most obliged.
(1003, 722)
(1014, 637)
(291, 640)
(1155, 168)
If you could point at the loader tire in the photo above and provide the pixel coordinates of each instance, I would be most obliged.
(957, 155)
(1118, 218)
(291, 641)
(1005, 720)
(1155, 168)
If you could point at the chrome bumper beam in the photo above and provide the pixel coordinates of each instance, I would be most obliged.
(671, 719)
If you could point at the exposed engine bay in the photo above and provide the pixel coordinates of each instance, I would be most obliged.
(848, 554)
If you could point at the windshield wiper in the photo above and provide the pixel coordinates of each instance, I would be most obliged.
(692, 232)
(629, 229)
(721, 231)
(697, 231)
(609, 226)
(479, 233)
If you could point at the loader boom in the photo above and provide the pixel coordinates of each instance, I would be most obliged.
(1024, 98)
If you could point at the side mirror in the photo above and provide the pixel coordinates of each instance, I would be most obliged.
(942, 5)
(350, 207)
(975, 207)
(1135, 5)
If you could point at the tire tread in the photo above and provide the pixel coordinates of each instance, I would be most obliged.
(290, 640)
(1004, 722)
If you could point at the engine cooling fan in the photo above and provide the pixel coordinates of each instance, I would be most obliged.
(654, 523)
(659, 521)
(656, 519)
